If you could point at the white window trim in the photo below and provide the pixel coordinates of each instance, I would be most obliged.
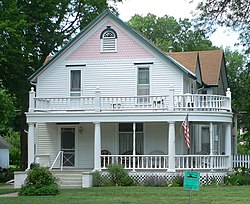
(136, 78)
(72, 68)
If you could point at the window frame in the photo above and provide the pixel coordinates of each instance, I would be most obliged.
(131, 134)
(79, 92)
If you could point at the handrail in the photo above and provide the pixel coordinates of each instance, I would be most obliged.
(61, 161)
(180, 102)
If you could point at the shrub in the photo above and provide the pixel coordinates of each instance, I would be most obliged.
(119, 176)
(155, 181)
(176, 182)
(241, 176)
(7, 174)
(40, 181)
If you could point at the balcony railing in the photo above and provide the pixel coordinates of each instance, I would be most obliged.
(184, 102)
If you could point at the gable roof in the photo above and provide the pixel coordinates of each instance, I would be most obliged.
(210, 63)
(3, 143)
(187, 59)
(105, 13)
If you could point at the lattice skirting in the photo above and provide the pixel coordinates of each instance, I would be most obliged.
(205, 178)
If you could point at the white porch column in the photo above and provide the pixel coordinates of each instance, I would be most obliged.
(97, 147)
(134, 152)
(211, 138)
(171, 147)
(228, 145)
(31, 149)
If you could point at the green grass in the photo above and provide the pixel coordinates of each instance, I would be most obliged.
(155, 195)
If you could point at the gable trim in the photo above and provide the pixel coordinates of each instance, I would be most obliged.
(102, 15)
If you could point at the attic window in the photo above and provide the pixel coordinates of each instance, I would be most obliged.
(108, 40)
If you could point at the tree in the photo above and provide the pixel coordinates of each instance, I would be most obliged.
(231, 13)
(13, 138)
(239, 82)
(167, 31)
(7, 109)
(29, 31)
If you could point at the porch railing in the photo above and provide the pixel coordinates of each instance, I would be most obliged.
(59, 158)
(241, 160)
(183, 162)
(136, 162)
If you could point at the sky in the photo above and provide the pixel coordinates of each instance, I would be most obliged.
(176, 8)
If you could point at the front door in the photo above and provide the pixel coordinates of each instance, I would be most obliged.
(68, 146)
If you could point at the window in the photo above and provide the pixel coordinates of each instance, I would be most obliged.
(108, 40)
(143, 86)
(75, 82)
(126, 138)
(143, 81)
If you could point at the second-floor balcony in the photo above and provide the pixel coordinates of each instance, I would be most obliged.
(171, 102)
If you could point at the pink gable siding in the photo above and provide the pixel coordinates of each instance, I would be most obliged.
(126, 47)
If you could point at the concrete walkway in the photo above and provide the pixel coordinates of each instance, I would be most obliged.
(11, 186)
(9, 195)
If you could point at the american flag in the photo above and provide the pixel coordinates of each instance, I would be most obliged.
(185, 126)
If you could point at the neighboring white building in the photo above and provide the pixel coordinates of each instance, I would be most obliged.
(111, 96)
(4, 153)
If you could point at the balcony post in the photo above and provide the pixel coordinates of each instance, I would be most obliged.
(171, 147)
(228, 94)
(171, 98)
(97, 100)
(32, 100)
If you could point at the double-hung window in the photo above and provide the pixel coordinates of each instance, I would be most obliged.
(143, 83)
(126, 138)
(75, 82)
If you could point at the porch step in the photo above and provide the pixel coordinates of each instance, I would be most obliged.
(68, 178)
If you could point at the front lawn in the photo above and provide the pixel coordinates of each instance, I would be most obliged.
(225, 194)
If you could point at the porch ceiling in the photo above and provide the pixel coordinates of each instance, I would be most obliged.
(119, 116)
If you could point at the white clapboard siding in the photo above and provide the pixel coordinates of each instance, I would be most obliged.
(156, 137)
(109, 137)
(180, 146)
(114, 78)
(86, 146)
(53, 82)
(47, 142)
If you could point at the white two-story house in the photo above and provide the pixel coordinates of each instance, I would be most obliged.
(111, 96)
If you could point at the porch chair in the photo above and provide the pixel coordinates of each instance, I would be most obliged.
(105, 161)
(155, 162)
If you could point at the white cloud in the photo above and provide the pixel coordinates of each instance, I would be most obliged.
(176, 8)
